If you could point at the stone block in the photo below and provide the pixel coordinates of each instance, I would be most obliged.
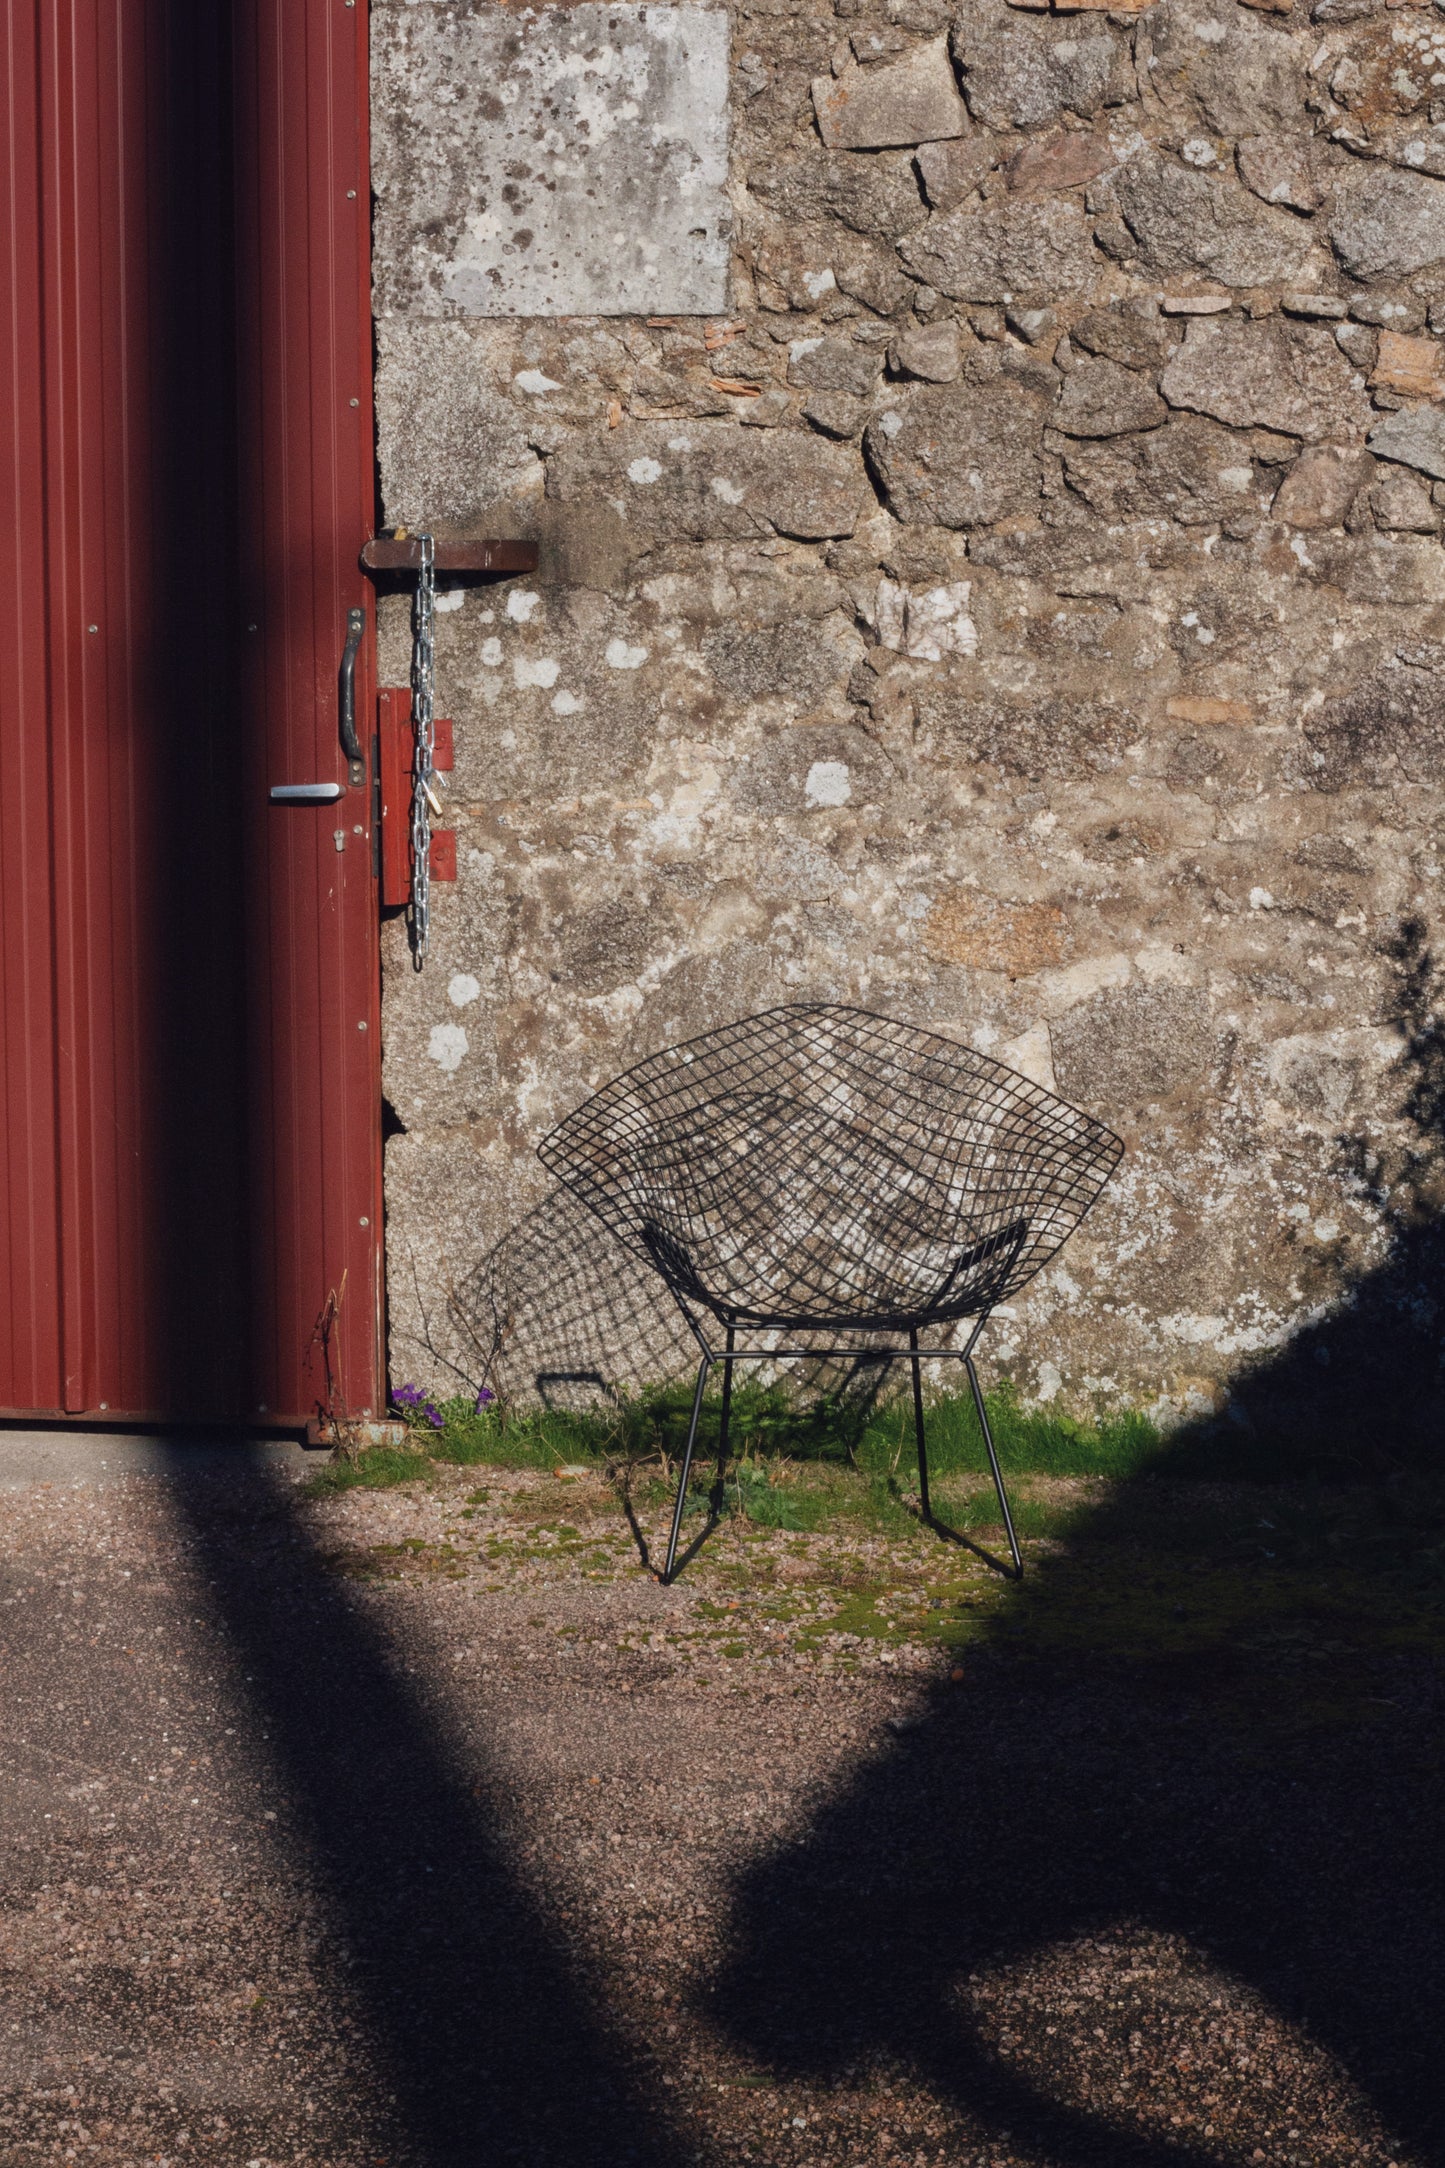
(1413, 439)
(789, 661)
(1059, 738)
(1131, 332)
(1318, 308)
(1243, 77)
(877, 197)
(955, 456)
(914, 100)
(1413, 366)
(810, 769)
(1393, 723)
(950, 172)
(1004, 251)
(1134, 1044)
(1279, 169)
(1268, 375)
(1321, 486)
(1183, 221)
(1101, 399)
(836, 413)
(711, 481)
(926, 624)
(1206, 712)
(1388, 224)
(1061, 161)
(987, 933)
(933, 352)
(1401, 504)
(833, 364)
(454, 445)
(1191, 471)
(1019, 75)
(557, 161)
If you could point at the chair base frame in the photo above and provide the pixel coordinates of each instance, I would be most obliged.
(731, 1354)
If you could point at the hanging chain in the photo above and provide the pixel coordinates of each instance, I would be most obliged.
(423, 715)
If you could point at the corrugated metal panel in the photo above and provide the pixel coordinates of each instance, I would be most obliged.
(164, 1247)
(308, 491)
(30, 1365)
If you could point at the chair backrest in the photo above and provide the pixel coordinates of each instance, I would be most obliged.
(826, 1156)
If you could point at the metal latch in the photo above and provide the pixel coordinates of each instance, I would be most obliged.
(306, 793)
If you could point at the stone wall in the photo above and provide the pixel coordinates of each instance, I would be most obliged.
(990, 573)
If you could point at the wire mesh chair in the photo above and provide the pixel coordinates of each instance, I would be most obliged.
(821, 1169)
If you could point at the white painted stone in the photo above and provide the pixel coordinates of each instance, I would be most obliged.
(551, 161)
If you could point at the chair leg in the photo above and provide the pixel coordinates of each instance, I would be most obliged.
(722, 1435)
(702, 1370)
(1008, 1519)
(918, 1425)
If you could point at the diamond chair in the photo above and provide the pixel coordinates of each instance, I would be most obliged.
(818, 1169)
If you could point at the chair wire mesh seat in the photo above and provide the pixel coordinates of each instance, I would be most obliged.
(821, 1169)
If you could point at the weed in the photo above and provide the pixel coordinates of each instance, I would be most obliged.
(376, 1467)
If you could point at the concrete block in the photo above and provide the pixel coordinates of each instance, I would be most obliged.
(556, 161)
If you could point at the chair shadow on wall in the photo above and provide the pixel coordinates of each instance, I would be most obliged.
(1280, 1818)
(559, 1313)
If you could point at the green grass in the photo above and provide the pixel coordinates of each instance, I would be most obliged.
(769, 1425)
(806, 1465)
(794, 1464)
(379, 1467)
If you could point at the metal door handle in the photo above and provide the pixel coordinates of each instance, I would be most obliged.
(306, 793)
(350, 743)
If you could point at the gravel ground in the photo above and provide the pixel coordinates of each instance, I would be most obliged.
(422, 1828)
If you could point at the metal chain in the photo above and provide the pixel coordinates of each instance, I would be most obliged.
(423, 717)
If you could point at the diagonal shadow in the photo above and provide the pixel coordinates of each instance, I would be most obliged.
(1117, 1784)
(481, 2023)
(1020, 1816)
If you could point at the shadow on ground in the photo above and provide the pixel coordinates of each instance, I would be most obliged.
(1099, 1767)
(479, 2021)
(1278, 1807)
(1130, 1766)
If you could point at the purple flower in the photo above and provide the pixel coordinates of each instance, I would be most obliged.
(485, 1398)
(416, 1402)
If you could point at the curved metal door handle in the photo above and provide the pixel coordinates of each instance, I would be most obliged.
(350, 743)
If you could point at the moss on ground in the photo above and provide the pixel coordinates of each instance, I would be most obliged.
(1287, 1603)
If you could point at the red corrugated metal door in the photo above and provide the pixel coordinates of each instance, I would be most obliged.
(308, 496)
(189, 1103)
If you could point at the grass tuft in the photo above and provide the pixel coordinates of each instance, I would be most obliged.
(376, 1467)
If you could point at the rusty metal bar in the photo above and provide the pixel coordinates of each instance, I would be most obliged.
(392, 554)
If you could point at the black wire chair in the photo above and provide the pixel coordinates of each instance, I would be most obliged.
(820, 1169)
